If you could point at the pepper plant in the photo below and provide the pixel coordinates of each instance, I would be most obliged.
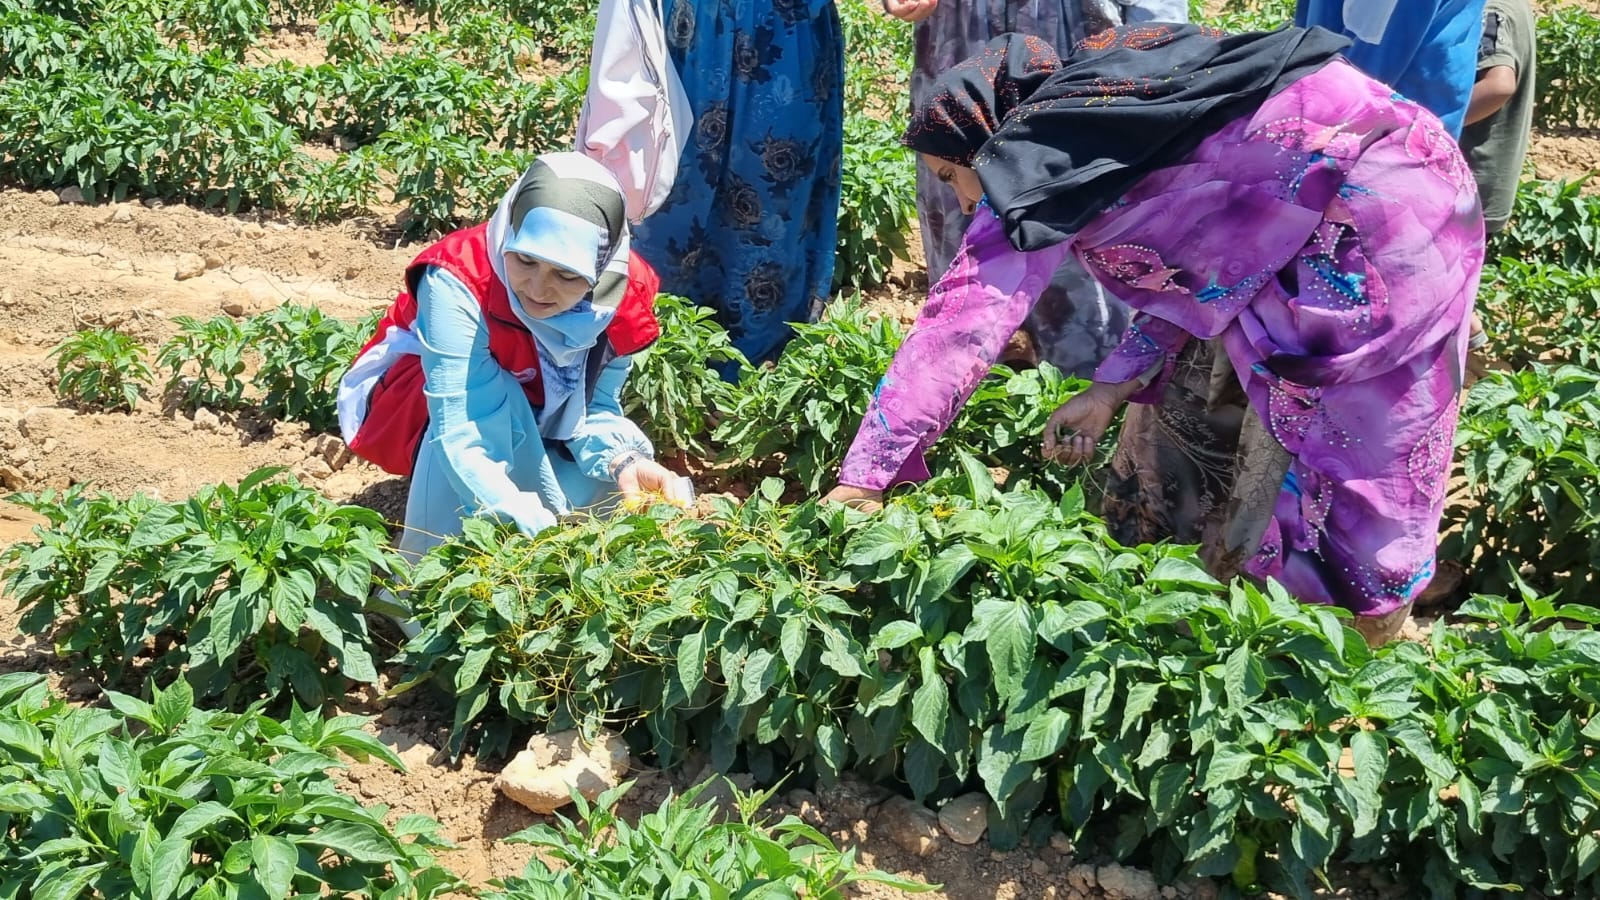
(806, 405)
(1567, 48)
(681, 849)
(1529, 446)
(1537, 311)
(162, 800)
(205, 361)
(971, 637)
(247, 592)
(674, 391)
(303, 355)
(355, 29)
(1553, 222)
(101, 368)
(876, 205)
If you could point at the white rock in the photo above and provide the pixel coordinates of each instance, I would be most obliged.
(543, 776)
(122, 215)
(965, 818)
(910, 825)
(1121, 883)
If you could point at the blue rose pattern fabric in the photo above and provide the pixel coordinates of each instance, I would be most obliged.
(750, 227)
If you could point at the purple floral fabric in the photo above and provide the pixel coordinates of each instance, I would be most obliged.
(1332, 242)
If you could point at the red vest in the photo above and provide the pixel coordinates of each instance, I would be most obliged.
(397, 412)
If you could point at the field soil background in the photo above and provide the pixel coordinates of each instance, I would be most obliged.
(137, 266)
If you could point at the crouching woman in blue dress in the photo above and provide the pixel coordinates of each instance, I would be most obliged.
(494, 378)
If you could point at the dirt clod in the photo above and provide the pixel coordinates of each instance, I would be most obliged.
(189, 265)
(911, 826)
(965, 818)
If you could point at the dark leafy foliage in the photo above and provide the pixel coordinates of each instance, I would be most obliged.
(161, 800)
(247, 592)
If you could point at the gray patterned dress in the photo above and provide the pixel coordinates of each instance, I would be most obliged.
(1076, 323)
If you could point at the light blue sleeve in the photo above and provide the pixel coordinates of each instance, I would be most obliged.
(1136, 11)
(605, 433)
(480, 415)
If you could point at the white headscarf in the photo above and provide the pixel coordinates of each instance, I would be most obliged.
(571, 191)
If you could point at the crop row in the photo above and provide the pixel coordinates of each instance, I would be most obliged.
(439, 122)
(162, 800)
(965, 635)
(294, 356)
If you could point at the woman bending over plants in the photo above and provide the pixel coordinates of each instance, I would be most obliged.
(1301, 248)
(493, 379)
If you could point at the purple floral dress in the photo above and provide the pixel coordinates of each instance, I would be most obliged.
(1330, 246)
(1075, 323)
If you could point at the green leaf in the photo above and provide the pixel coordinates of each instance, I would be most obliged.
(65, 881)
(173, 705)
(760, 672)
(200, 817)
(168, 867)
(362, 843)
(472, 666)
(1229, 763)
(1370, 755)
(1244, 679)
(1416, 742)
(275, 861)
(133, 708)
(692, 662)
(831, 749)
(1046, 734)
(1000, 764)
(930, 704)
(1178, 572)
(1008, 631)
(837, 653)
(20, 797)
(119, 765)
(895, 635)
(792, 640)
(1141, 699)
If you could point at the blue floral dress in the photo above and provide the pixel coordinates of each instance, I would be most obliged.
(750, 227)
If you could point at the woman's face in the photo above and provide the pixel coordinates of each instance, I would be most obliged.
(962, 180)
(543, 290)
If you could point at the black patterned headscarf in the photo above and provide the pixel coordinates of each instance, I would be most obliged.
(1054, 142)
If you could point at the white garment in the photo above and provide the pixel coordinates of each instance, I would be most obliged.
(636, 116)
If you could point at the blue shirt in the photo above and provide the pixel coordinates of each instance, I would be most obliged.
(487, 431)
(1428, 53)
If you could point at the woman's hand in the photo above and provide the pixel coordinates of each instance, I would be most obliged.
(1075, 429)
(864, 499)
(646, 476)
(910, 10)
